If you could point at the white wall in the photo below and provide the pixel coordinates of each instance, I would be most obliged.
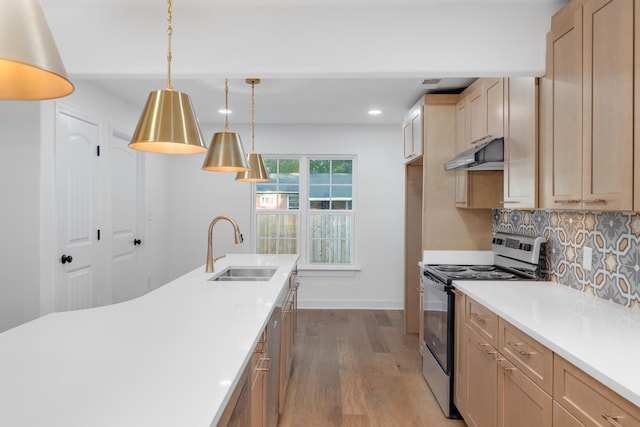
(19, 213)
(198, 196)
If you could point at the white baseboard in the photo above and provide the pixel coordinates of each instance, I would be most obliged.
(351, 304)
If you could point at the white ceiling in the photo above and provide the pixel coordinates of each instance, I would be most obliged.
(293, 89)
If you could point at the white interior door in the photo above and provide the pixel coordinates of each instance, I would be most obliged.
(126, 240)
(77, 188)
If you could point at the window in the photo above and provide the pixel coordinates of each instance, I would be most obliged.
(307, 207)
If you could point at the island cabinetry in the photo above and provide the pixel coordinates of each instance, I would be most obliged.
(412, 132)
(288, 332)
(497, 389)
(588, 145)
(589, 401)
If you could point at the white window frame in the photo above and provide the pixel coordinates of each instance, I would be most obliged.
(304, 212)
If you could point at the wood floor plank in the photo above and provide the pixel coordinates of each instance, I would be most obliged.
(358, 368)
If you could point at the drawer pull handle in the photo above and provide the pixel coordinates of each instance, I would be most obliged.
(484, 344)
(528, 353)
(612, 420)
(595, 201)
(261, 367)
(568, 201)
(504, 368)
(479, 318)
(514, 344)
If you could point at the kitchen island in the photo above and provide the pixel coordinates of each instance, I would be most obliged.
(599, 337)
(169, 358)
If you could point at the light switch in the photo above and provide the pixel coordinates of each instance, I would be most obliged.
(587, 254)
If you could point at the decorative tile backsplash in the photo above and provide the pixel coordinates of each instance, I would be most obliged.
(614, 238)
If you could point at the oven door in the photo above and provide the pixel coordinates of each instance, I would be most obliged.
(438, 312)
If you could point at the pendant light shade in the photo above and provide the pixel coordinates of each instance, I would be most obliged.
(257, 171)
(30, 65)
(225, 152)
(168, 123)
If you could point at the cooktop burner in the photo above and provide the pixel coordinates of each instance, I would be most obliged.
(473, 272)
(450, 268)
(482, 267)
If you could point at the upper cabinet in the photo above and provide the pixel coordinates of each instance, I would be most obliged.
(412, 132)
(587, 122)
(521, 143)
(479, 115)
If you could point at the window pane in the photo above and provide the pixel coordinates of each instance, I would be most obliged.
(342, 171)
(330, 239)
(277, 233)
(319, 171)
(319, 192)
(283, 185)
(342, 192)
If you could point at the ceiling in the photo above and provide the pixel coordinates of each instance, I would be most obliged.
(303, 95)
(291, 100)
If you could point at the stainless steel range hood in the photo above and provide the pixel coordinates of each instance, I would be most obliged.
(488, 155)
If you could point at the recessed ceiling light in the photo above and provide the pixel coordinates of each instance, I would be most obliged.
(375, 112)
(223, 111)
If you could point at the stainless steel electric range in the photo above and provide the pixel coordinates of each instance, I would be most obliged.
(515, 257)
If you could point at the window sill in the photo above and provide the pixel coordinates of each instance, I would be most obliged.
(307, 270)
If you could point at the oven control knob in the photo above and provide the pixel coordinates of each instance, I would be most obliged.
(525, 247)
(497, 241)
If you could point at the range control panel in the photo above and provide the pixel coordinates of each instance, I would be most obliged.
(519, 247)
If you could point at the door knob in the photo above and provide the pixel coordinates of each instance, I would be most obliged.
(66, 259)
(137, 242)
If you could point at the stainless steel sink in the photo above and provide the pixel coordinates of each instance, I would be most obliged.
(245, 274)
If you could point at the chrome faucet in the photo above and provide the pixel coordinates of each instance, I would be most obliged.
(238, 239)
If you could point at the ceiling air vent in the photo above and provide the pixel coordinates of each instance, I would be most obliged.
(430, 83)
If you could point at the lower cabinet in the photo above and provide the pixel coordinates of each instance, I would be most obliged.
(259, 397)
(523, 383)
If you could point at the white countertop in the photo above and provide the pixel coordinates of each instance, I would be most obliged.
(598, 336)
(168, 358)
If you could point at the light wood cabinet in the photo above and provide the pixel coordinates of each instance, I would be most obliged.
(520, 401)
(588, 400)
(495, 392)
(459, 369)
(479, 114)
(288, 330)
(587, 147)
(412, 132)
(521, 143)
(462, 141)
(481, 397)
(561, 418)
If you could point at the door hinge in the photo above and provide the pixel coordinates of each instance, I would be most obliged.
(98, 150)
(98, 234)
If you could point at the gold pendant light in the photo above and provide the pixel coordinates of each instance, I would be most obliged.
(168, 123)
(258, 172)
(225, 152)
(30, 65)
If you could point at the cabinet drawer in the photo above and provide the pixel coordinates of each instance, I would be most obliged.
(483, 321)
(531, 357)
(561, 418)
(588, 400)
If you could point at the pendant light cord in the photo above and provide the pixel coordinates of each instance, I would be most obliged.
(169, 34)
(226, 105)
(253, 116)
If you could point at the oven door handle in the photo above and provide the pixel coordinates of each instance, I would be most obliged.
(432, 281)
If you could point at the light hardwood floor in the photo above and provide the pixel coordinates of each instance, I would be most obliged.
(358, 368)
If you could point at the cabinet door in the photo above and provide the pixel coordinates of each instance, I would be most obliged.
(416, 126)
(561, 148)
(521, 143)
(407, 136)
(462, 141)
(495, 107)
(477, 100)
(482, 381)
(608, 104)
(520, 402)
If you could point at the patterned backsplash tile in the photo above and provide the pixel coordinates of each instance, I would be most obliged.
(614, 238)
